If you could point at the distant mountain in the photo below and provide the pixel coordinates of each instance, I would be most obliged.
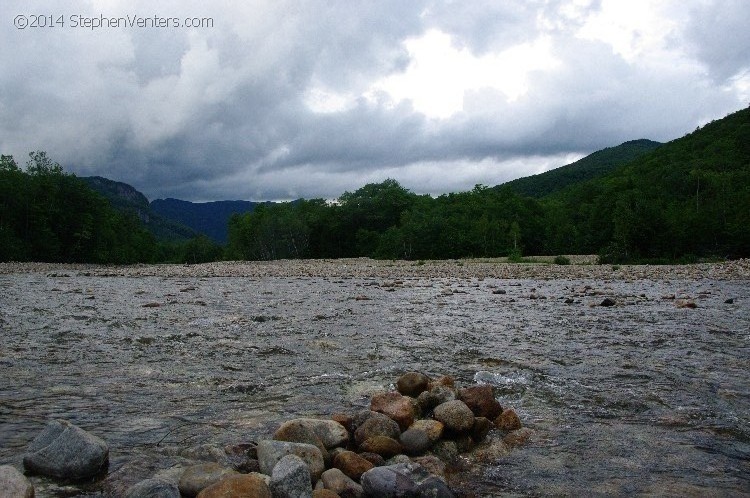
(127, 199)
(209, 218)
(592, 166)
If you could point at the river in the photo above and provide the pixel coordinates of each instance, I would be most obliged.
(641, 398)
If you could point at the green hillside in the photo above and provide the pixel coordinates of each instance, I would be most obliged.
(592, 166)
(690, 196)
(128, 200)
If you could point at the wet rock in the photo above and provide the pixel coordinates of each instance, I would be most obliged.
(206, 453)
(65, 451)
(338, 482)
(415, 441)
(330, 432)
(686, 303)
(608, 301)
(438, 395)
(352, 464)
(13, 484)
(508, 420)
(481, 400)
(153, 488)
(412, 384)
(443, 380)
(198, 477)
(373, 458)
(291, 478)
(455, 415)
(518, 437)
(382, 445)
(434, 487)
(480, 429)
(398, 480)
(346, 420)
(325, 493)
(446, 450)
(491, 450)
(376, 424)
(396, 459)
(250, 485)
(431, 464)
(242, 457)
(296, 432)
(270, 452)
(395, 406)
(433, 428)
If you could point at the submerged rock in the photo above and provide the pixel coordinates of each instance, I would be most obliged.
(153, 488)
(65, 451)
(481, 400)
(508, 420)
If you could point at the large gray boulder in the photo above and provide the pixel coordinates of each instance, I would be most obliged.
(13, 484)
(291, 478)
(65, 451)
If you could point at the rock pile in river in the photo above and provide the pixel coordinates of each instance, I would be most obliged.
(400, 446)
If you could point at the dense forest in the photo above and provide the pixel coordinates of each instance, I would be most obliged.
(641, 201)
(680, 201)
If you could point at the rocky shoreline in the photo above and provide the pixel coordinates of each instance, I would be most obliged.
(406, 444)
(582, 267)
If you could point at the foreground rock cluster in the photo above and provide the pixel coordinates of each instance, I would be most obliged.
(401, 446)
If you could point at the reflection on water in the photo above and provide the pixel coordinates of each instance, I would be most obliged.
(639, 398)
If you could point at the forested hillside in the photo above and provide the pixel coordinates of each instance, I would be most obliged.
(592, 166)
(49, 215)
(681, 201)
(684, 200)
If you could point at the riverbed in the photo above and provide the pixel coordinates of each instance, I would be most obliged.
(649, 396)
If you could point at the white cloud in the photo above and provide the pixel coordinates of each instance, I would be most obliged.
(311, 98)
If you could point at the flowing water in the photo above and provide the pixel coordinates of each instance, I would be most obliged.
(641, 398)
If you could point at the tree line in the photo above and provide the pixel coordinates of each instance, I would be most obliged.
(688, 199)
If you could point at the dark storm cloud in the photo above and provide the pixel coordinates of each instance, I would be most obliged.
(225, 112)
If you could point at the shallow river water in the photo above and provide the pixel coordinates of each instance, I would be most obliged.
(641, 398)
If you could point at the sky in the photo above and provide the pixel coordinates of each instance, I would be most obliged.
(277, 100)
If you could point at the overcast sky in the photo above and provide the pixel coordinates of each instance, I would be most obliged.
(282, 99)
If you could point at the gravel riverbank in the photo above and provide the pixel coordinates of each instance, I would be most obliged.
(583, 267)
